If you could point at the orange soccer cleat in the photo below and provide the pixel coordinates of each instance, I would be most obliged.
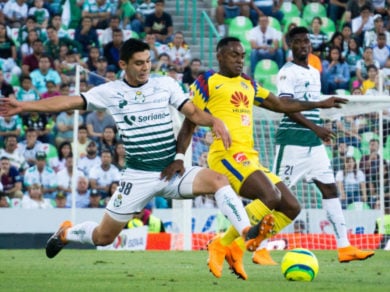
(234, 257)
(256, 234)
(351, 253)
(263, 257)
(217, 253)
(58, 240)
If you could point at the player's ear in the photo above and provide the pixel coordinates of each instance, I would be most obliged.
(122, 64)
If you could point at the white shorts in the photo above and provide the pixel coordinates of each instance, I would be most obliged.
(138, 187)
(295, 162)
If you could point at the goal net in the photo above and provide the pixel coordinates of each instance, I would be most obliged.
(359, 155)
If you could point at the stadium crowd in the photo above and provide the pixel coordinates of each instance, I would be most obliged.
(41, 42)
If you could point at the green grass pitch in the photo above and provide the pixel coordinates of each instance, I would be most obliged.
(91, 270)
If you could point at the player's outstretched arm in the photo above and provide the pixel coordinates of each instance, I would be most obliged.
(10, 106)
(289, 105)
(201, 118)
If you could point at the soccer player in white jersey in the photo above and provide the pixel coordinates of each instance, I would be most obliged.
(140, 108)
(300, 151)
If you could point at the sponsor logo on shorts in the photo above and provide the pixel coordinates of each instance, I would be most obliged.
(240, 157)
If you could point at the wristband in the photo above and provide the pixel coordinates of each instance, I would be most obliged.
(179, 156)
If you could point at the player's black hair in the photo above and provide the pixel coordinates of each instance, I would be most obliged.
(296, 30)
(132, 46)
(225, 41)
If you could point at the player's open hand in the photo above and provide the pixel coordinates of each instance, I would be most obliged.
(333, 101)
(221, 132)
(9, 107)
(176, 167)
(324, 134)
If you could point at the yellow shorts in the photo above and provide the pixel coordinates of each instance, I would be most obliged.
(238, 166)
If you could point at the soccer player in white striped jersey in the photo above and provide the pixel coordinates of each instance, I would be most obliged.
(300, 151)
(140, 107)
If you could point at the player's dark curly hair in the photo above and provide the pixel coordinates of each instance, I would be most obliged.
(225, 41)
(296, 30)
(130, 47)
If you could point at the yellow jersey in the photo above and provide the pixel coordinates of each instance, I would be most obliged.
(232, 101)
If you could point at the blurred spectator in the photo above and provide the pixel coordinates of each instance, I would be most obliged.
(370, 164)
(111, 49)
(97, 77)
(264, 42)
(268, 8)
(54, 43)
(155, 225)
(6, 90)
(44, 73)
(286, 49)
(163, 63)
(107, 33)
(362, 23)
(31, 61)
(202, 145)
(52, 90)
(318, 39)
(86, 36)
(337, 41)
(381, 51)
(155, 49)
(40, 13)
(351, 183)
(354, 7)
(192, 72)
(11, 151)
(142, 10)
(336, 9)
(96, 122)
(300, 226)
(30, 146)
(15, 13)
(111, 190)
(92, 59)
(64, 150)
(56, 22)
(347, 35)
(370, 82)
(228, 9)
(82, 193)
(10, 179)
(34, 199)
(26, 48)
(9, 126)
(353, 54)
(82, 141)
(362, 65)
(108, 140)
(8, 53)
(335, 73)
(31, 24)
(39, 122)
(26, 91)
(4, 201)
(101, 177)
(95, 200)
(66, 175)
(174, 75)
(370, 36)
(160, 23)
(99, 11)
(348, 131)
(125, 12)
(119, 159)
(91, 160)
(179, 52)
(65, 124)
(60, 200)
(42, 175)
(339, 156)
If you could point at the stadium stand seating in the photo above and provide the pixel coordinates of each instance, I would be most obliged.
(289, 10)
(313, 9)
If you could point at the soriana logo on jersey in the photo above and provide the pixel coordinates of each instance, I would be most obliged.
(240, 157)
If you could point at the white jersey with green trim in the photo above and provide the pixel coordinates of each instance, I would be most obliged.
(301, 83)
(142, 117)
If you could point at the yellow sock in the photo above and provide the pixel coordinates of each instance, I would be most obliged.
(281, 221)
(256, 210)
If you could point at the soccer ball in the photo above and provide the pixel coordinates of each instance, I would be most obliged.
(299, 264)
(134, 223)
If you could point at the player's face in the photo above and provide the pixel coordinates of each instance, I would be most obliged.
(137, 69)
(300, 46)
(231, 59)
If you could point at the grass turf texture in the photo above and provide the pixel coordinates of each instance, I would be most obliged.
(90, 270)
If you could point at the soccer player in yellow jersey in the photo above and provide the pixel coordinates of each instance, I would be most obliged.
(230, 95)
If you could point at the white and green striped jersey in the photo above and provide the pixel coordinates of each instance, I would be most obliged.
(304, 84)
(142, 117)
